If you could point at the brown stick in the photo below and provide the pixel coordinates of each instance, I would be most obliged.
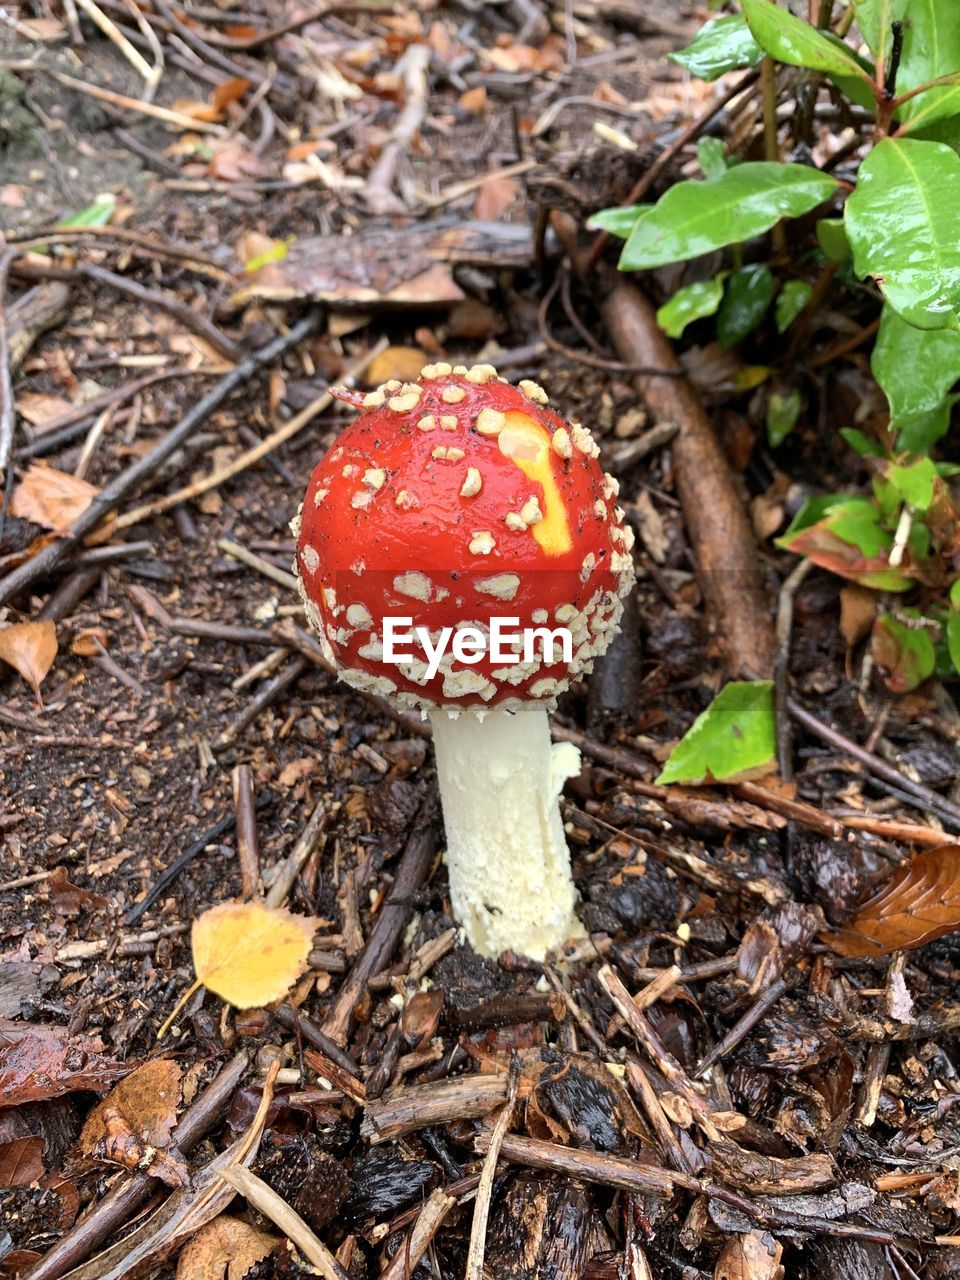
(610, 1171)
(412, 1107)
(133, 1190)
(391, 922)
(720, 535)
(248, 853)
(32, 315)
(8, 413)
(425, 1228)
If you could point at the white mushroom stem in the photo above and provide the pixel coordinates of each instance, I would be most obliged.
(509, 866)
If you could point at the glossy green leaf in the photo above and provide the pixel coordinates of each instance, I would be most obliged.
(861, 443)
(692, 302)
(97, 214)
(791, 300)
(791, 40)
(913, 482)
(721, 45)
(693, 218)
(782, 414)
(734, 738)
(916, 369)
(619, 222)
(746, 298)
(712, 157)
(904, 652)
(832, 238)
(903, 223)
(930, 51)
(846, 535)
(952, 628)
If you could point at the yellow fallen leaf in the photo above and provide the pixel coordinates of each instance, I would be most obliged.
(402, 363)
(247, 953)
(224, 1249)
(250, 954)
(30, 648)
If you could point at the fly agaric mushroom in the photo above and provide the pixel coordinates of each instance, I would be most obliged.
(461, 505)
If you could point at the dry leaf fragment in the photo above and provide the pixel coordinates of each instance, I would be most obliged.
(402, 363)
(224, 1249)
(919, 902)
(495, 197)
(30, 648)
(39, 407)
(51, 498)
(755, 1255)
(21, 1162)
(145, 1101)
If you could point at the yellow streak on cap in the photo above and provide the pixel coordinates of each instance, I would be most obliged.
(527, 444)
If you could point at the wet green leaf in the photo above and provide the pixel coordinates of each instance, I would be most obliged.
(913, 483)
(903, 223)
(712, 157)
(619, 222)
(905, 653)
(721, 45)
(931, 50)
(692, 302)
(97, 214)
(693, 218)
(916, 368)
(863, 445)
(791, 40)
(734, 738)
(952, 628)
(745, 302)
(847, 536)
(791, 300)
(832, 238)
(782, 414)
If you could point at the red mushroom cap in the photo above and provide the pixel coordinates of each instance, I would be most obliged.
(454, 500)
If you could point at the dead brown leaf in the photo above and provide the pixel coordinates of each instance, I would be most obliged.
(228, 91)
(495, 196)
(21, 1162)
(858, 608)
(51, 498)
(40, 1062)
(30, 648)
(233, 162)
(146, 1099)
(69, 898)
(89, 642)
(755, 1255)
(402, 363)
(224, 1249)
(39, 407)
(919, 902)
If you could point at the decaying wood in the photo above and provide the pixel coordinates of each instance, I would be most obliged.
(32, 315)
(411, 1107)
(428, 1223)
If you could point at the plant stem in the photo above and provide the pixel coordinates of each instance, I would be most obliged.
(768, 89)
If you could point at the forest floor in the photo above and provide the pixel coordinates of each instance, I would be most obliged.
(187, 721)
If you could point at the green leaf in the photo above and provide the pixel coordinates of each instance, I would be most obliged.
(952, 627)
(721, 45)
(733, 739)
(905, 653)
(863, 445)
(619, 222)
(692, 302)
(791, 40)
(693, 218)
(955, 595)
(97, 214)
(930, 51)
(903, 223)
(745, 301)
(832, 238)
(913, 482)
(712, 157)
(791, 300)
(916, 369)
(782, 414)
(846, 535)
